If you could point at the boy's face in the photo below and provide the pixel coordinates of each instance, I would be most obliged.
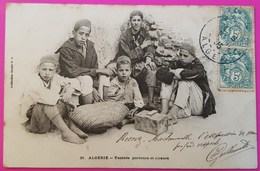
(47, 71)
(136, 23)
(124, 72)
(81, 35)
(185, 57)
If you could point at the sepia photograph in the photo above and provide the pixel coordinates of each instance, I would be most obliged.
(129, 86)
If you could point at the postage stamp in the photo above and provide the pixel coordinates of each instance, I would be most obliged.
(236, 26)
(230, 46)
(237, 74)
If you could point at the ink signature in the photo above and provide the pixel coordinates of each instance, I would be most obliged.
(126, 138)
(225, 152)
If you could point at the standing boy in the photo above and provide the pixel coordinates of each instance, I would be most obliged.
(78, 59)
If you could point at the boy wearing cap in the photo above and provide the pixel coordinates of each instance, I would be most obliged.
(193, 95)
(136, 44)
(125, 89)
(78, 59)
(43, 104)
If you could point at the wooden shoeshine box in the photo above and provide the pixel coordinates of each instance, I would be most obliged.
(151, 122)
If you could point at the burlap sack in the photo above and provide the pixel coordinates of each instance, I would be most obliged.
(97, 116)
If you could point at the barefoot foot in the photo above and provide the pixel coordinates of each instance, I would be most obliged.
(174, 120)
(72, 138)
(170, 129)
(76, 130)
(120, 125)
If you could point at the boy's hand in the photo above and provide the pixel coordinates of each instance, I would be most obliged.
(177, 72)
(132, 113)
(67, 94)
(172, 71)
(146, 43)
(96, 96)
(150, 64)
(106, 71)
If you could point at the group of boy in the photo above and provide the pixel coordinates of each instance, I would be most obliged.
(47, 95)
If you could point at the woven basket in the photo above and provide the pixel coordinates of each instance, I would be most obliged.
(97, 116)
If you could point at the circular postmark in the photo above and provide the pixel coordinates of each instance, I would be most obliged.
(215, 37)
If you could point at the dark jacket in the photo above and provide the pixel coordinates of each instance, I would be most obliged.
(195, 72)
(128, 48)
(164, 75)
(73, 63)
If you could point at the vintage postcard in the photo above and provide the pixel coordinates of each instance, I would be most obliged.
(129, 86)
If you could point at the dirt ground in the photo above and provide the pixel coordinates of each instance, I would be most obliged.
(235, 113)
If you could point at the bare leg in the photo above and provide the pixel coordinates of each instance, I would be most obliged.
(128, 121)
(124, 122)
(105, 92)
(104, 82)
(67, 134)
(165, 106)
(173, 113)
(182, 115)
(87, 99)
(75, 129)
(172, 116)
(150, 93)
(151, 96)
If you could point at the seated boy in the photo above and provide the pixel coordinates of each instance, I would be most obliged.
(44, 102)
(189, 83)
(125, 89)
(136, 43)
(78, 59)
